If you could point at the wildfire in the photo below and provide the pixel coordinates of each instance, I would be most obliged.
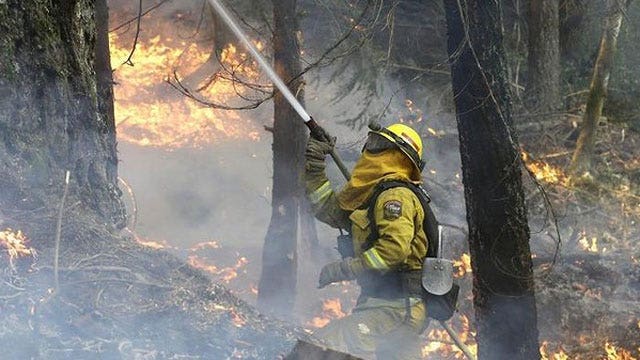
(225, 274)
(617, 354)
(236, 318)
(590, 245)
(440, 343)
(206, 245)
(463, 265)
(150, 113)
(331, 309)
(611, 353)
(559, 354)
(544, 171)
(16, 244)
(150, 243)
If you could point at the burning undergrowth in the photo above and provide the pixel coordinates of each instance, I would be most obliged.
(118, 299)
(587, 296)
(170, 52)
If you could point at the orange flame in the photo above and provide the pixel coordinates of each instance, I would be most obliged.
(617, 354)
(206, 245)
(237, 319)
(331, 309)
(559, 354)
(157, 245)
(463, 265)
(16, 245)
(150, 113)
(440, 343)
(590, 245)
(545, 172)
(611, 352)
(225, 274)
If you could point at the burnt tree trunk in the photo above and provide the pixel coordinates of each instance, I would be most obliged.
(104, 85)
(582, 157)
(503, 285)
(276, 290)
(575, 21)
(54, 109)
(543, 86)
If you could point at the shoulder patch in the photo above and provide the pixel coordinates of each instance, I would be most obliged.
(392, 209)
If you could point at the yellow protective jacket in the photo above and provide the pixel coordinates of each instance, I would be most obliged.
(401, 245)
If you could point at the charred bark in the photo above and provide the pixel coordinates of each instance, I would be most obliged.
(583, 155)
(498, 231)
(543, 88)
(279, 261)
(575, 21)
(105, 85)
(53, 112)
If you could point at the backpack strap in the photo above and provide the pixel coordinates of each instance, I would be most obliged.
(430, 223)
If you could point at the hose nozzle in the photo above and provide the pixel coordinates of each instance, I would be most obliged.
(374, 126)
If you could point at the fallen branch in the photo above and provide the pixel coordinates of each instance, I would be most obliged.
(456, 339)
(132, 282)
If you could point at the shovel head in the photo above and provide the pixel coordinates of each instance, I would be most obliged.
(437, 275)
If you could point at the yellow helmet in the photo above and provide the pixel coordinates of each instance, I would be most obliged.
(405, 138)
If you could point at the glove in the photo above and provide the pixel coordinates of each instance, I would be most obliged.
(318, 133)
(318, 149)
(346, 269)
(314, 174)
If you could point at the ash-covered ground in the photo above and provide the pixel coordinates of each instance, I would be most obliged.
(203, 197)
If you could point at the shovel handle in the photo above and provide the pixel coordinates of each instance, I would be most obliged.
(319, 133)
(456, 339)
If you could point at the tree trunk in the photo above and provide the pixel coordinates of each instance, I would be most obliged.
(575, 22)
(279, 260)
(53, 109)
(543, 88)
(104, 75)
(503, 287)
(582, 157)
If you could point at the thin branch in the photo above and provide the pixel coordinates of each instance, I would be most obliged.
(320, 61)
(139, 16)
(56, 254)
(135, 40)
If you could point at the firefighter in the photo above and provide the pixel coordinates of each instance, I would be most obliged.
(388, 243)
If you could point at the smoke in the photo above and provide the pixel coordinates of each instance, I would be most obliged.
(221, 191)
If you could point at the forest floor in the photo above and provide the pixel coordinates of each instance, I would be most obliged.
(118, 299)
(122, 300)
(589, 294)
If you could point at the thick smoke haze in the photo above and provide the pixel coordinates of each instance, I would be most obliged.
(221, 191)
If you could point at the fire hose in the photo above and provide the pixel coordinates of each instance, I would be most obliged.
(308, 120)
(277, 82)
